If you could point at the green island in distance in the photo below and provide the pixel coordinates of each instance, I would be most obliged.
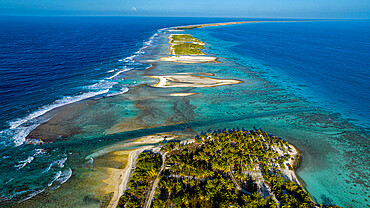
(225, 168)
(185, 44)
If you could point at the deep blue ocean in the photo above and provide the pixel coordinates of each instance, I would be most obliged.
(48, 62)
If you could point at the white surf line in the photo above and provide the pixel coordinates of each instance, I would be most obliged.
(20, 131)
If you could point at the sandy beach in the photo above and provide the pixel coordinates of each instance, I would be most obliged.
(189, 59)
(182, 28)
(118, 178)
(182, 94)
(189, 80)
(212, 25)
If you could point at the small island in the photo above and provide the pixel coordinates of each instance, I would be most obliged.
(225, 168)
(191, 80)
(187, 49)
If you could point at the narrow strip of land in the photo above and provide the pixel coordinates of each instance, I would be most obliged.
(127, 172)
(189, 27)
(189, 80)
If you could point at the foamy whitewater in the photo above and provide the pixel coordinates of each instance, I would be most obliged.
(56, 172)
(21, 127)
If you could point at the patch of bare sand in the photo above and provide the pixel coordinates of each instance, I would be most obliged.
(189, 27)
(118, 178)
(107, 170)
(214, 24)
(189, 59)
(117, 165)
(182, 94)
(188, 80)
(154, 138)
(113, 172)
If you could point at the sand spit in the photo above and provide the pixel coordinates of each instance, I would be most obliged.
(212, 25)
(189, 27)
(189, 59)
(118, 177)
(154, 138)
(188, 80)
(182, 94)
(121, 178)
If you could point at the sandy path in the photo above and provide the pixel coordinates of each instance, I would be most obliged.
(148, 202)
(262, 187)
(237, 185)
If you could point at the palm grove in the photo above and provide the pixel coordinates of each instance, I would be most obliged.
(235, 168)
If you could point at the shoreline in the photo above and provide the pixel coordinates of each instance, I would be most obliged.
(125, 174)
(187, 59)
(189, 80)
(190, 27)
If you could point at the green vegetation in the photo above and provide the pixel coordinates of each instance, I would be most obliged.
(189, 27)
(235, 168)
(187, 49)
(182, 38)
(185, 44)
(201, 173)
(146, 170)
(217, 191)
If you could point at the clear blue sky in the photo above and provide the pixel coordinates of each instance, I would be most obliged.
(221, 8)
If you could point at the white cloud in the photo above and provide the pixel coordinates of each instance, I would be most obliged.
(133, 8)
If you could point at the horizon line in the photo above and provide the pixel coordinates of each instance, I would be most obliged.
(231, 17)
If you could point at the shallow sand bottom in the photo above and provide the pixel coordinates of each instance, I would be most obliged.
(111, 166)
